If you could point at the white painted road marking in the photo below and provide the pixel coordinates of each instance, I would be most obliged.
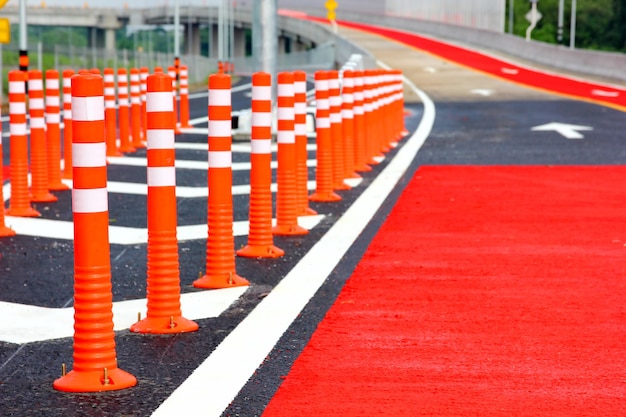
(21, 323)
(120, 235)
(235, 147)
(604, 93)
(564, 129)
(482, 92)
(187, 164)
(510, 71)
(231, 364)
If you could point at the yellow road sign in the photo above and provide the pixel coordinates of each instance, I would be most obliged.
(5, 30)
(331, 5)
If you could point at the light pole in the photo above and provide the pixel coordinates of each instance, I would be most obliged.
(176, 36)
(511, 7)
(220, 32)
(559, 30)
(23, 37)
(572, 36)
(265, 38)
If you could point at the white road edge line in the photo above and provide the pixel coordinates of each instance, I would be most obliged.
(231, 364)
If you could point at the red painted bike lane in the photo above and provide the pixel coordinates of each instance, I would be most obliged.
(489, 290)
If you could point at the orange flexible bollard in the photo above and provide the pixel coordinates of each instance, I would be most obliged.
(163, 275)
(123, 111)
(359, 125)
(394, 99)
(19, 204)
(388, 137)
(135, 109)
(260, 238)
(53, 131)
(395, 96)
(4, 230)
(324, 191)
(171, 70)
(95, 363)
(110, 123)
(302, 155)
(370, 127)
(38, 148)
(379, 112)
(67, 123)
(220, 259)
(347, 116)
(375, 116)
(144, 72)
(184, 97)
(286, 197)
(334, 94)
(399, 113)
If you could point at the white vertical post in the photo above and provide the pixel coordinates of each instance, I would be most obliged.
(220, 32)
(572, 36)
(511, 6)
(559, 29)
(176, 29)
(23, 37)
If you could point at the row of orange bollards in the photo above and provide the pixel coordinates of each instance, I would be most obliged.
(354, 124)
(45, 120)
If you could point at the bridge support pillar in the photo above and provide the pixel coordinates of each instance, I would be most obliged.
(282, 44)
(192, 40)
(240, 42)
(109, 40)
(101, 38)
(213, 39)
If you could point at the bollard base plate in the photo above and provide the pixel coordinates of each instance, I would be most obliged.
(221, 281)
(164, 325)
(260, 251)
(289, 230)
(7, 231)
(325, 197)
(93, 381)
(22, 212)
(307, 211)
(44, 198)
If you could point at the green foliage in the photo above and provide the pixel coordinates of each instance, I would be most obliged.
(599, 23)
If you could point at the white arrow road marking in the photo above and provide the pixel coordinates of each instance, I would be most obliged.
(511, 71)
(120, 235)
(430, 70)
(564, 129)
(482, 92)
(20, 323)
(604, 93)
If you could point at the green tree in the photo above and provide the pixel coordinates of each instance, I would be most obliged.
(599, 23)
